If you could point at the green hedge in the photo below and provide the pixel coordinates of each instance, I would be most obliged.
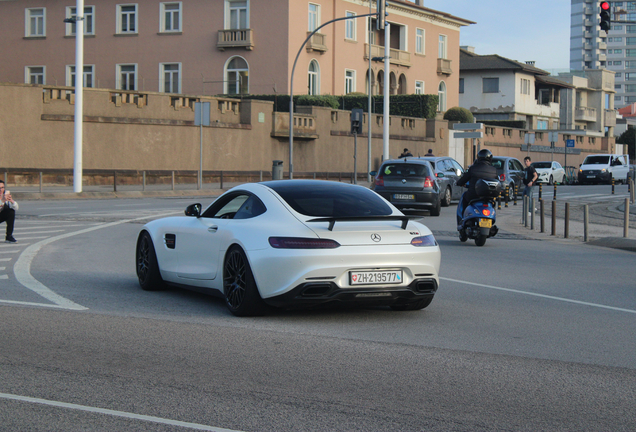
(418, 106)
(459, 114)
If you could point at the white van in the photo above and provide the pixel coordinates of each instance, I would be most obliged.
(602, 168)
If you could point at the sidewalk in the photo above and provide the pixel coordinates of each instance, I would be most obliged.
(599, 234)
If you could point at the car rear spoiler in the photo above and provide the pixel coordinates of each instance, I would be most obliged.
(332, 220)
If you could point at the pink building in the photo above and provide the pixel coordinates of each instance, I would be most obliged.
(210, 47)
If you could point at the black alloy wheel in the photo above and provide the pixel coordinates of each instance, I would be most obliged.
(241, 294)
(147, 265)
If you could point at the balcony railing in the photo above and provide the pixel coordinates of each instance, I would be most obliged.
(318, 42)
(397, 57)
(236, 38)
(585, 114)
(444, 66)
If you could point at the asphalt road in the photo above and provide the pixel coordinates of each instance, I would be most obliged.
(522, 335)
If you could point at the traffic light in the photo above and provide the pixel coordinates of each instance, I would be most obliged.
(605, 16)
(382, 13)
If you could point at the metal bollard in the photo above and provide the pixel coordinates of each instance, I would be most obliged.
(514, 196)
(221, 180)
(540, 190)
(507, 196)
(542, 216)
(612, 185)
(626, 221)
(40, 182)
(555, 190)
(143, 181)
(553, 218)
(566, 221)
(115, 181)
(524, 214)
(586, 221)
(532, 214)
(499, 201)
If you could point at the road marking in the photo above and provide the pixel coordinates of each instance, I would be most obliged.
(11, 251)
(541, 295)
(4, 277)
(5, 259)
(115, 413)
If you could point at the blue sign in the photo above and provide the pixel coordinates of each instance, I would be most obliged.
(569, 143)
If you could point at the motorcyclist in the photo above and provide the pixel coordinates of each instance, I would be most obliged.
(481, 169)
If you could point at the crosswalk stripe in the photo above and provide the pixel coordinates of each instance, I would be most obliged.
(5, 259)
(4, 276)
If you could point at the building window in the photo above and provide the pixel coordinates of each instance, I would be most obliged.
(441, 51)
(350, 81)
(127, 19)
(461, 85)
(314, 16)
(630, 88)
(441, 93)
(236, 76)
(126, 77)
(419, 41)
(88, 76)
(490, 85)
(170, 77)
(35, 75)
(237, 14)
(419, 87)
(617, 63)
(35, 22)
(350, 26)
(314, 78)
(89, 20)
(525, 86)
(170, 17)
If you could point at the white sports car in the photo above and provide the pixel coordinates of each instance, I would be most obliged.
(290, 243)
(549, 172)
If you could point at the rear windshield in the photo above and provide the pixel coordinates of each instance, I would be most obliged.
(499, 164)
(404, 170)
(541, 164)
(330, 199)
(596, 160)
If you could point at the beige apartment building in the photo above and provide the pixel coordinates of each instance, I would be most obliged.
(211, 47)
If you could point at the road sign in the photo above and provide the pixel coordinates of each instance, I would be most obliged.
(468, 126)
(469, 134)
(529, 138)
(569, 143)
(202, 113)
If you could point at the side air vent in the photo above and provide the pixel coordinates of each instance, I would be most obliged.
(170, 240)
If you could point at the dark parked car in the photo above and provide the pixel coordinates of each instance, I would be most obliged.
(409, 183)
(510, 172)
(448, 171)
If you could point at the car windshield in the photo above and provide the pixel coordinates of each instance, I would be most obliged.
(596, 160)
(330, 199)
(542, 164)
(403, 170)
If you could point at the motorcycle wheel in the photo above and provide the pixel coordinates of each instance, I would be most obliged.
(462, 236)
(480, 240)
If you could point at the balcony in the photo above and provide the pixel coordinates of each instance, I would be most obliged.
(236, 38)
(397, 57)
(610, 118)
(585, 114)
(444, 66)
(318, 42)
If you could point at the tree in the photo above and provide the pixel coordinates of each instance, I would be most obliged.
(629, 137)
(459, 114)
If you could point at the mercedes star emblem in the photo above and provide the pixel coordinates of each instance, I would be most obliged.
(376, 237)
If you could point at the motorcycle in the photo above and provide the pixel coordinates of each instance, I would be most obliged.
(479, 216)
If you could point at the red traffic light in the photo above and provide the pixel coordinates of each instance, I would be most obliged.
(605, 5)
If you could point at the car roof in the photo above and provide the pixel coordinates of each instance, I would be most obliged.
(416, 160)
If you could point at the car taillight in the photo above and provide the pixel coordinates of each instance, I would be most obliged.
(428, 182)
(428, 240)
(502, 177)
(379, 181)
(486, 212)
(302, 243)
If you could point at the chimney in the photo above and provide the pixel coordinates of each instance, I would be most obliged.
(530, 63)
(419, 2)
(470, 49)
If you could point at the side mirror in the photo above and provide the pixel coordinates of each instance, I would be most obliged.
(459, 172)
(193, 210)
(373, 173)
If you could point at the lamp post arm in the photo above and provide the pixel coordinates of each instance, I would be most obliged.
(291, 88)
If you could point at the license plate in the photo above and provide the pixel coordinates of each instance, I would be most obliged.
(403, 197)
(485, 223)
(375, 277)
(591, 176)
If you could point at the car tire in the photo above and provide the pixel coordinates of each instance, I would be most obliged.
(147, 266)
(414, 305)
(435, 211)
(551, 180)
(480, 240)
(511, 192)
(447, 197)
(239, 287)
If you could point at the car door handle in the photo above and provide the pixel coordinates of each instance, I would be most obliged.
(213, 228)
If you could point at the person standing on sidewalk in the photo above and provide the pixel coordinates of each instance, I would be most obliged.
(8, 208)
(529, 178)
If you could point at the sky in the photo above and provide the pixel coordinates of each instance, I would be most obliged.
(521, 30)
